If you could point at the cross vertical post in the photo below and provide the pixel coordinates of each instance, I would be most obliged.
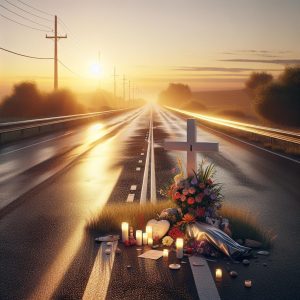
(191, 140)
(191, 146)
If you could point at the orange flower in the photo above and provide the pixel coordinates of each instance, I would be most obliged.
(188, 218)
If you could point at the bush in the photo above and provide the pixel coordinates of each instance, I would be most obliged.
(175, 94)
(26, 101)
(257, 80)
(60, 103)
(279, 101)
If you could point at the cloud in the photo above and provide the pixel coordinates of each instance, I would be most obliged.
(261, 53)
(293, 61)
(219, 69)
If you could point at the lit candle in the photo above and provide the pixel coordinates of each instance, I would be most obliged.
(125, 227)
(150, 242)
(165, 253)
(149, 231)
(145, 238)
(179, 248)
(248, 283)
(139, 237)
(218, 274)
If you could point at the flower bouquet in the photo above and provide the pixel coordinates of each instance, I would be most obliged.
(198, 199)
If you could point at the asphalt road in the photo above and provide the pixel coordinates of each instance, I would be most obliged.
(50, 186)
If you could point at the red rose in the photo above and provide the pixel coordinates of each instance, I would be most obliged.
(175, 233)
(190, 200)
(200, 212)
(199, 198)
(209, 181)
(185, 192)
(183, 198)
(192, 190)
(177, 195)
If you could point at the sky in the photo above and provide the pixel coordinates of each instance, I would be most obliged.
(207, 44)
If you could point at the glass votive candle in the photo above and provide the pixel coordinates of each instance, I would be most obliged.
(145, 238)
(165, 253)
(218, 274)
(248, 283)
(179, 248)
(149, 231)
(150, 242)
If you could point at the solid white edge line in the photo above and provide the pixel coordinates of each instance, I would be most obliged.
(35, 144)
(255, 146)
(203, 279)
(99, 279)
(143, 197)
(153, 198)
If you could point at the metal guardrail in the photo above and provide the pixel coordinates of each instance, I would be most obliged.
(12, 131)
(33, 123)
(272, 133)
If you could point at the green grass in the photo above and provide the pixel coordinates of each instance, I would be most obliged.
(243, 225)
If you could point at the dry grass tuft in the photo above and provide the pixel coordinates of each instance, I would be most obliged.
(243, 224)
(110, 218)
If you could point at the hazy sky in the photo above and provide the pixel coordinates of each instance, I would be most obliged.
(208, 44)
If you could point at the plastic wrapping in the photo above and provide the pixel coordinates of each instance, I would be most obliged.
(217, 238)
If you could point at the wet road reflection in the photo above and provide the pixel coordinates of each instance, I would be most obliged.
(259, 182)
(44, 234)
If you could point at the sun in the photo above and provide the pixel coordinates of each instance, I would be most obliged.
(96, 70)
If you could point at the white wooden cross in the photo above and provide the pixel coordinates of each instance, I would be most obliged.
(191, 146)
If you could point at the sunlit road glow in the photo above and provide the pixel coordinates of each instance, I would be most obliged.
(275, 133)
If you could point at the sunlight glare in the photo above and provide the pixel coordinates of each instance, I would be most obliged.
(96, 70)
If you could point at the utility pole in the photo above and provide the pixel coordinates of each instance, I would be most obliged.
(133, 87)
(99, 56)
(124, 88)
(56, 38)
(129, 92)
(115, 85)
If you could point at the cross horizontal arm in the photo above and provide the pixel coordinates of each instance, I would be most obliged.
(59, 37)
(179, 146)
(205, 147)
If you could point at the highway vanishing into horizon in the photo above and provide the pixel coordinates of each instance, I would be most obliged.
(51, 185)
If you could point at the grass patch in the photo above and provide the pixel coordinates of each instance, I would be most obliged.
(110, 218)
(243, 224)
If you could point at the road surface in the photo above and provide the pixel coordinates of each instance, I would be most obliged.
(51, 185)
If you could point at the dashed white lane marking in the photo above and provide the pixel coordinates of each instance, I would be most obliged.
(142, 153)
(204, 281)
(133, 187)
(130, 198)
(138, 169)
(140, 161)
(98, 283)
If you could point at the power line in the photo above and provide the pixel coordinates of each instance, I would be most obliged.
(42, 11)
(11, 11)
(24, 55)
(68, 68)
(45, 58)
(26, 11)
(38, 29)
